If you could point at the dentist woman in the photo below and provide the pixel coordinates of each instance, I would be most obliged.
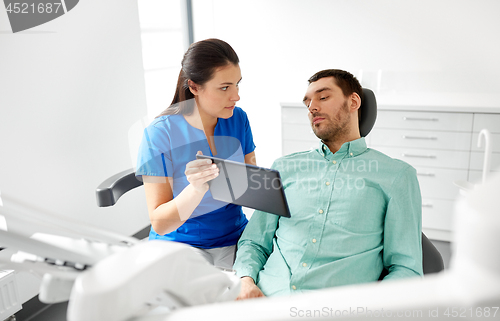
(202, 119)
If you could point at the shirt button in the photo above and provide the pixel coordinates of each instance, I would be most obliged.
(304, 264)
(334, 162)
(294, 287)
(351, 154)
(314, 241)
(327, 183)
(320, 211)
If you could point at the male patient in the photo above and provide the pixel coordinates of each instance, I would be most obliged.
(354, 210)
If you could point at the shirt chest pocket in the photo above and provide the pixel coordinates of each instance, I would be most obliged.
(358, 208)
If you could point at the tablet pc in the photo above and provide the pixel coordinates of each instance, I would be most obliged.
(248, 185)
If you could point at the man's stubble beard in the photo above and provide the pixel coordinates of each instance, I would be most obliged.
(337, 128)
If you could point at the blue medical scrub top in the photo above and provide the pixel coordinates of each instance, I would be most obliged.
(168, 144)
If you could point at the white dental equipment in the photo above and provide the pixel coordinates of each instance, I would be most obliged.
(106, 276)
(487, 151)
(466, 186)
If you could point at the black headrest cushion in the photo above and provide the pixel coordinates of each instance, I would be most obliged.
(368, 112)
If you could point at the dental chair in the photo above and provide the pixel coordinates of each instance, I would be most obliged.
(110, 190)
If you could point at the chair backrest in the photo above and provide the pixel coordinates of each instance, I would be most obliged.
(432, 260)
(368, 112)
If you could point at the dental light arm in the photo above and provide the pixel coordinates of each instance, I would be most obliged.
(18, 213)
(60, 254)
(108, 276)
(58, 248)
(57, 259)
(110, 282)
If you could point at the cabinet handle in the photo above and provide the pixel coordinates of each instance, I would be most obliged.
(418, 156)
(427, 205)
(420, 137)
(420, 119)
(426, 174)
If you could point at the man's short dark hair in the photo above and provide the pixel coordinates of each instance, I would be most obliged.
(345, 80)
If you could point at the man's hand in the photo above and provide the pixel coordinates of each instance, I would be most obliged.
(249, 289)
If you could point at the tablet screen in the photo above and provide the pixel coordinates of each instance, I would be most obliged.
(248, 185)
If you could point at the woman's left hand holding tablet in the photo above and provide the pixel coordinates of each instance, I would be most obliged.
(199, 172)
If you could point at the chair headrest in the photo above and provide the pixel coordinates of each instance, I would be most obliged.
(368, 112)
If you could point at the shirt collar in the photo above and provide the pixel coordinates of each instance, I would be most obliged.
(350, 149)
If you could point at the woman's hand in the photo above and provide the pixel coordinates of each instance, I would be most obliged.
(249, 289)
(199, 172)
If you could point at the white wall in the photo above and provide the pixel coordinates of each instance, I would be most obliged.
(163, 46)
(428, 52)
(69, 91)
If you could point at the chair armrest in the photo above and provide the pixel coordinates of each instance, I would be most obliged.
(432, 259)
(109, 191)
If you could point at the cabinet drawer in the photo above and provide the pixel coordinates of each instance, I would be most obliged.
(427, 157)
(477, 160)
(488, 121)
(460, 122)
(294, 115)
(437, 214)
(476, 177)
(293, 146)
(494, 143)
(420, 139)
(438, 182)
(302, 132)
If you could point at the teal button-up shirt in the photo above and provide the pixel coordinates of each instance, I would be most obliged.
(353, 213)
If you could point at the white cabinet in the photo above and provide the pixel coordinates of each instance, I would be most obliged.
(439, 143)
(442, 146)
